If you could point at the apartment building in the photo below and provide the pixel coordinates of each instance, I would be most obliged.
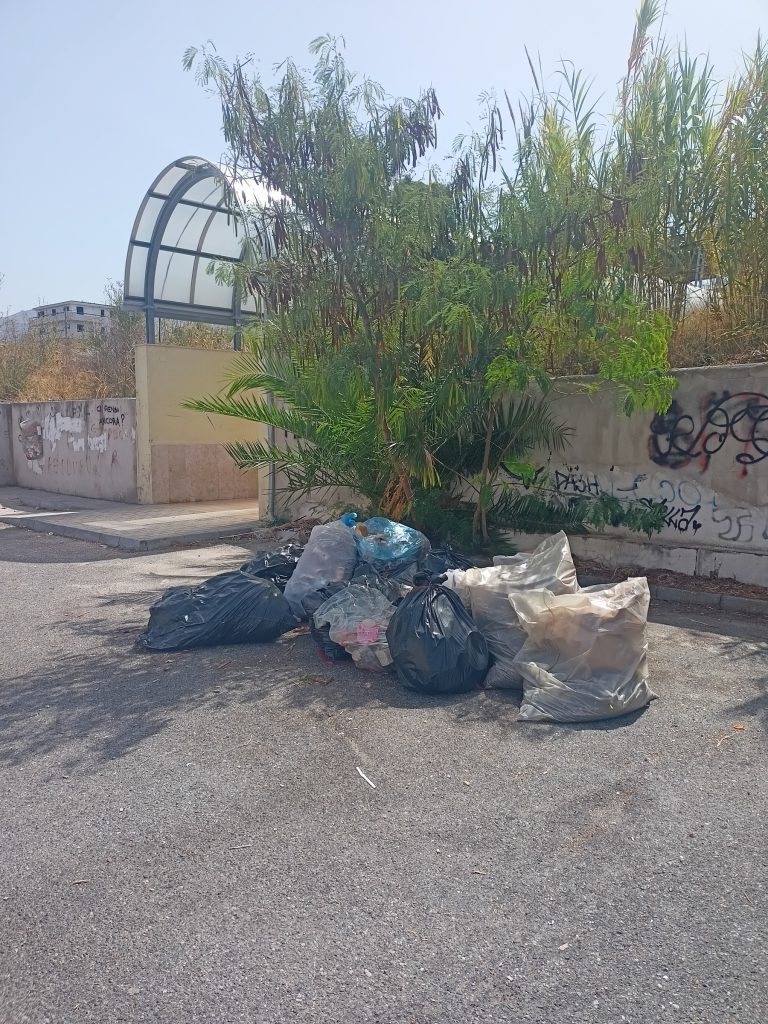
(70, 318)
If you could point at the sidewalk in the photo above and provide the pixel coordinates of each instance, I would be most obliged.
(128, 527)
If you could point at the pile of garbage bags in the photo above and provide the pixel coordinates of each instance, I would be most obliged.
(378, 594)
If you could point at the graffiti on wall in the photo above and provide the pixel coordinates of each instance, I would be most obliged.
(676, 441)
(31, 437)
(689, 508)
(77, 447)
(573, 481)
(680, 514)
(668, 464)
(110, 415)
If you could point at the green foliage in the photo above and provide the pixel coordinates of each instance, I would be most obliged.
(536, 513)
(638, 516)
(447, 521)
(636, 363)
(542, 512)
(443, 521)
(327, 412)
(334, 441)
(417, 319)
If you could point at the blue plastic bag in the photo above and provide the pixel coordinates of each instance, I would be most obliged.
(386, 544)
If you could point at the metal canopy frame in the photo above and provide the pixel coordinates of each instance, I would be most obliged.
(190, 218)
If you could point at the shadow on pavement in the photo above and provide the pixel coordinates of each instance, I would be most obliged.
(710, 620)
(103, 701)
(105, 694)
(36, 548)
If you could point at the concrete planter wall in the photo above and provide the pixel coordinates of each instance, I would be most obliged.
(707, 459)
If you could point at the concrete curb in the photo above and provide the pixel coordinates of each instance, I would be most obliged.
(126, 543)
(61, 528)
(706, 598)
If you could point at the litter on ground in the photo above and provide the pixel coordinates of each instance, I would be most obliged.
(378, 593)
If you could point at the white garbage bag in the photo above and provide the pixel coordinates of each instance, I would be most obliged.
(330, 556)
(549, 567)
(585, 654)
(519, 559)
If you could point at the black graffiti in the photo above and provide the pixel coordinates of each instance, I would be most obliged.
(107, 408)
(109, 421)
(574, 482)
(676, 517)
(675, 441)
(683, 519)
(528, 478)
(737, 524)
(639, 478)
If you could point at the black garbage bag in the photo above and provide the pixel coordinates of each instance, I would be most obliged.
(232, 608)
(443, 558)
(402, 574)
(369, 576)
(277, 566)
(435, 645)
(321, 634)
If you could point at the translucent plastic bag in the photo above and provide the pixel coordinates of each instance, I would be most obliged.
(519, 559)
(329, 651)
(585, 655)
(357, 619)
(330, 556)
(549, 567)
(385, 543)
(435, 645)
(232, 608)
(456, 580)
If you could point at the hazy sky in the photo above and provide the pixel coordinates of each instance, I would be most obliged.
(94, 102)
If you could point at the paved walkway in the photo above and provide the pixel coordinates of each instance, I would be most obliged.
(186, 837)
(128, 527)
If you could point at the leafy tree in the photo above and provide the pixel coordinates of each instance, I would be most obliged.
(416, 319)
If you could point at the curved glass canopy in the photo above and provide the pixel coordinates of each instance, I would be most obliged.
(192, 217)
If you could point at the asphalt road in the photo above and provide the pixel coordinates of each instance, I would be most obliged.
(185, 838)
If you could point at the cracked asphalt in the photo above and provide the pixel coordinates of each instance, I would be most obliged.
(186, 837)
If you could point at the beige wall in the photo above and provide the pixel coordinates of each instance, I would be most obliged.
(180, 455)
(707, 458)
(87, 448)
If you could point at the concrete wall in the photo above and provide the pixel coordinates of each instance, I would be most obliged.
(87, 448)
(180, 455)
(707, 459)
(7, 476)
